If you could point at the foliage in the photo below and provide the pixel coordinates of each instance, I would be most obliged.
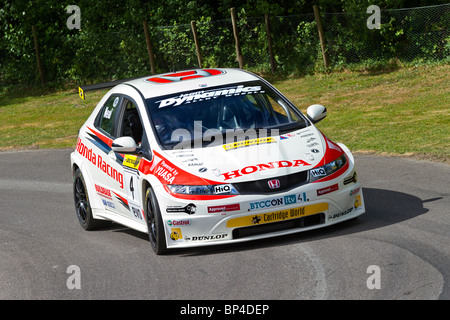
(111, 42)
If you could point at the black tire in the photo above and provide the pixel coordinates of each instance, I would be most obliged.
(82, 205)
(154, 222)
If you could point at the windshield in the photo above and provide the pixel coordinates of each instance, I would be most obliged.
(215, 116)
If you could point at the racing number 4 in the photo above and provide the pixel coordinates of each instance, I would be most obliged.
(131, 187)
(129, 176)
(133, 194)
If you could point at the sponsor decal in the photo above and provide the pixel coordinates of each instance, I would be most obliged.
(357, 203)
(195, 164)
(264, 166)
(98, 162)
(340, 214)
(207, 95)
(131, 161)
(326, 190)
(222, 188)
(136, 211)
(166, 172)
(189, 209)
(306, 135)
(286, 136)
(280, 215)
(354, 191)
(319, 172)
(181, 222)
(276, 202)
(246, 143)
(175, 234)
(107, 203)
(207, 238)
(103, 191)
(224, 208)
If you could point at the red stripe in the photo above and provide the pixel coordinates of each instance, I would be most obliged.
(192, 77)
(213, 72)
(181, 74)
(121, 198)
(159, 80)
(105, 139)
(181, 177)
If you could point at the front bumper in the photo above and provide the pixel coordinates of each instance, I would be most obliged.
(192, 223)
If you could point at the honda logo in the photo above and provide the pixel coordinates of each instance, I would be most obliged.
(274, 184)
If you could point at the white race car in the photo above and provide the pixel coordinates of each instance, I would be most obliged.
(210, 156)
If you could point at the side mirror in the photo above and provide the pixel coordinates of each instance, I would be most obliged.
(316, 112)
(124, 145)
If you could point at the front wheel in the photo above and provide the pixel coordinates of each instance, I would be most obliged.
(154, 223)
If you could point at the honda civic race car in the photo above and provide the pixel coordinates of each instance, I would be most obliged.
(209, 156)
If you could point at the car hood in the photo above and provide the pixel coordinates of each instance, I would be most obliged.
(257, 158)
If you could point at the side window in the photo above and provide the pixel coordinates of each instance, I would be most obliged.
(131, 122)
(108, 115)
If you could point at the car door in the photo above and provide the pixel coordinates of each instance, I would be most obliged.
(109, 177)
(130, 124)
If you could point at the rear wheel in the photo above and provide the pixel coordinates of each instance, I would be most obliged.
(82, 205)
(154, 223)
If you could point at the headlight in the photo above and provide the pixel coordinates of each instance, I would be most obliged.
(325, 170)
(220, 189)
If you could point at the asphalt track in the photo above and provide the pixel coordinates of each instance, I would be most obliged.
(400, 249)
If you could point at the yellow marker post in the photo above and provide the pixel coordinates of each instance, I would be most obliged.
(81, 93)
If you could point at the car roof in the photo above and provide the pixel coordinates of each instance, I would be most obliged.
(195, 79)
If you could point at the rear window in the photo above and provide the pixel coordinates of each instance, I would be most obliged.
(108, 114)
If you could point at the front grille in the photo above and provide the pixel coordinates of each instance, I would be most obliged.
(303, 222)
(287, 182)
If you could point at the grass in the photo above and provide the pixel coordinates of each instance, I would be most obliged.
(44, 121)
(401, 112)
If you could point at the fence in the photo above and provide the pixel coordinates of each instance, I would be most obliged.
(282, 44)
